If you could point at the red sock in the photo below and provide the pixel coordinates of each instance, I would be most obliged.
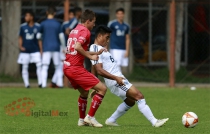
(96, 101)
(82, 103)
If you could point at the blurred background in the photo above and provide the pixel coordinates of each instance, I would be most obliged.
(149, 31)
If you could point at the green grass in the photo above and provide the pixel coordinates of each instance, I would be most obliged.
(164, 102)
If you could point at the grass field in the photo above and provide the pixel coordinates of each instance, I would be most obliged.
(164, 102)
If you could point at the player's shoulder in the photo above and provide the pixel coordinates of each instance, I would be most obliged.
(95, 47)
(65, 22)
(37, 24)
(23, 24)
(112, 22)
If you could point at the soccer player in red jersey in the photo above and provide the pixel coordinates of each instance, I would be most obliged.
(79, 77)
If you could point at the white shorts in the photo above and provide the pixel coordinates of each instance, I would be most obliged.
(26, 58)
(46, 57)
(118, 56)
(118, 90)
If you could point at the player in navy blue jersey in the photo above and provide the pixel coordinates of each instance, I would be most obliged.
(30, 49)
(49, 36)
(120, 40)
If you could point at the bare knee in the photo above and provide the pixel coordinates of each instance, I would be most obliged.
(139, 96)
(84, 93)
(129, 102)
(100, 88)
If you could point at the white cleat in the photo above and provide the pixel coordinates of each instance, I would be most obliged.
(82, 123)
(111, 123)
(92, 121)
(161, 122)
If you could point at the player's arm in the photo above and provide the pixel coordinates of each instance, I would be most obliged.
(78, 47)
(40, 46)
(127, 43)
(93, 71)
(20, 43)
(100, 71)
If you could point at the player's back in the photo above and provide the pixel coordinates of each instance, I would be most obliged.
(50, 29)
(82, 35)
(109, 64)
(28, 34)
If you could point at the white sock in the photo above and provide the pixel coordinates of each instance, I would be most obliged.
(39, 72)
(121, 110)
(59, 72)
(25, 74)
(146, 111)
(44, 75)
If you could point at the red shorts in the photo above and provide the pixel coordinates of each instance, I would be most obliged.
(79, 77)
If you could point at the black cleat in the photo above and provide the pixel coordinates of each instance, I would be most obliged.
(28, 87)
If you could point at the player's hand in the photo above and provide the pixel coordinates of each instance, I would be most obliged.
(94, 57)
(120, 80)
(101, 51)
(126, 54)
(22, 49)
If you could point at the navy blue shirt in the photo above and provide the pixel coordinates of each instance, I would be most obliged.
(118, 35)
(50, 29)
(28, 34)
(71, 24)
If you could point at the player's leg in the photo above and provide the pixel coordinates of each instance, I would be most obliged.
(136, 95)
(117, 56)
(36, 58)
(96, 101)
(58, 69)
(124, 62)
(46, 57)
(82, 105)
(120, 111)
(24, 59)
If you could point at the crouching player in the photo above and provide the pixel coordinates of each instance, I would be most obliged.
(108, 68)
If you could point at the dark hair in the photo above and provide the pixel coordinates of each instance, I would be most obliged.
(72, 11)
(120, 9)
(87, 15)
(31, 13)
(77, 9)
(102, 29)
(51, 10)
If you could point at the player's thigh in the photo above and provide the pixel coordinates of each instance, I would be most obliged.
(134, 93)
(56, 58)
(35, 57)
(46, 57)
(117, 55)
(23, 58)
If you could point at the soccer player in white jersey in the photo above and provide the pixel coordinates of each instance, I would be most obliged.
(29, 47)
(108, 68)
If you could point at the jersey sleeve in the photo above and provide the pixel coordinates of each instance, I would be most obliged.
(110, 24)
(94, 48)
(21, 32)
(83, 37)
(127, 30)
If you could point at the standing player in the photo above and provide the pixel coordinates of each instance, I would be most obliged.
(49, 36)
(30, 50)
(79, 77)
(108, 68)
(120, 40)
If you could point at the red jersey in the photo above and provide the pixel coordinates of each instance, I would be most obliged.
(82, 35)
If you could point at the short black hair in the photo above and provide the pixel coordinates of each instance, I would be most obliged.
(72, 11)
(87, 15)
(102, 29)
(51, 10)
(77, 9)
(120, 9)
(31, 13)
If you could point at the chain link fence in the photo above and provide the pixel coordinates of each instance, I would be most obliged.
(149, 33)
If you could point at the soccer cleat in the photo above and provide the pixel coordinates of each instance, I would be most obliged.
(28, 87)
(82, 123)
(161, 122)
(111, 123)
(40, 86)
(92, 121)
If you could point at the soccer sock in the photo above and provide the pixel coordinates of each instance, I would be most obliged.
(59, 73)
(25, 74)
(39, 72)
(82, 104)
(54, 78)
(146, 111)
(96, 101)
(121, 110)
(44, 75)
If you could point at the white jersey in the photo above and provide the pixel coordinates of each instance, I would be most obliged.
(109, 64)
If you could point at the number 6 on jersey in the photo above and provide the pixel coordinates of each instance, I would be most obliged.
(70, 46)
